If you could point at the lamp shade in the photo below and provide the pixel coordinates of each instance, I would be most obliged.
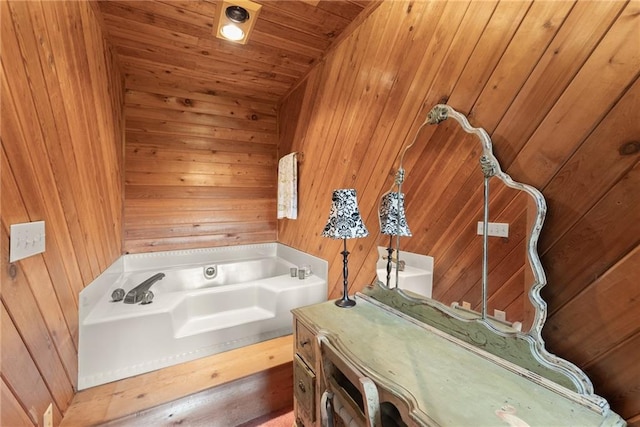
(344, 220)
(392, 217)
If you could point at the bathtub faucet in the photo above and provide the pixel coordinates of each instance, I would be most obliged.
(141, 292)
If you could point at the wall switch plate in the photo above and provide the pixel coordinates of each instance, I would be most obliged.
(47, 418)
(497, 229)
(26, 239)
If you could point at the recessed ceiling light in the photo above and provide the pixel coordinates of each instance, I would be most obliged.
(235, 19)
(232, 32)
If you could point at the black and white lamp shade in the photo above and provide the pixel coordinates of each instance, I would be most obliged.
(344, 220)
(392, 218)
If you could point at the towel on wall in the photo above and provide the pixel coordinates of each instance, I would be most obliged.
(288, 187)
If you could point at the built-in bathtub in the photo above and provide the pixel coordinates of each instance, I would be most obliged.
(209, 301)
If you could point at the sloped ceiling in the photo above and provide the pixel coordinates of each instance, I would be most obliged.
(172, 43)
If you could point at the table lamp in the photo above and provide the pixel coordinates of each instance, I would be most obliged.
(345, 223)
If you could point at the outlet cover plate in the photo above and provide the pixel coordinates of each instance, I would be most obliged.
(26, 239)
(497, 229)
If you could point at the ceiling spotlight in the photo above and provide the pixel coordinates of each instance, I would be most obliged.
(235, 19)
(237, 14)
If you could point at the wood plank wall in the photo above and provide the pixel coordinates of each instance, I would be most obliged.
(556, 86)
(200, 169)
(62, 162)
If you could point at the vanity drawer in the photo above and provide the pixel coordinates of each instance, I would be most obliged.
(304, 390)
(304, 344)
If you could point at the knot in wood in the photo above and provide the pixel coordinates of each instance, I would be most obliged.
(629, 148)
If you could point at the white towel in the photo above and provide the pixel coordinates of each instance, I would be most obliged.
(288, 187)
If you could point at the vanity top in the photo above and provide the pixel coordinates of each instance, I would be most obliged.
(441, 380)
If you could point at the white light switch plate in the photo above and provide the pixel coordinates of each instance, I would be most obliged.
(497, 229)
(26, 239)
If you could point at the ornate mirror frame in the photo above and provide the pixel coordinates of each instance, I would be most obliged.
(523, 352)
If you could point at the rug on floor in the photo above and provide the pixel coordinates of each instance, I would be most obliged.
(282, 418)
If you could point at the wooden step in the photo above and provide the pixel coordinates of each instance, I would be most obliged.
(221, 388)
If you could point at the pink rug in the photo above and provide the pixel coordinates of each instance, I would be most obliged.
(284, 420)
(280, 419)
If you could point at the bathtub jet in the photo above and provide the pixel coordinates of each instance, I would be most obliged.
(246, 301)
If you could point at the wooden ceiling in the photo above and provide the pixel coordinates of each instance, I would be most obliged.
(172, 43)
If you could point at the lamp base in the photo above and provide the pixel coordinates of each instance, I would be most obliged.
(345, 302)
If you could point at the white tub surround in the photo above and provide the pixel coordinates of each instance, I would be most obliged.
(416, 275)
(248, 300)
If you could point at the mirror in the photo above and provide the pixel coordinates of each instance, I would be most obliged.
(465, 179)
(462, 183)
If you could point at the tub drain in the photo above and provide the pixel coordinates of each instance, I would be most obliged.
(210, 271)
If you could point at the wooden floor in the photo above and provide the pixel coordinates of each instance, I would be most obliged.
(226, 389)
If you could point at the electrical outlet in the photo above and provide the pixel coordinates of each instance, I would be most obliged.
(47, 418)
(497, 229)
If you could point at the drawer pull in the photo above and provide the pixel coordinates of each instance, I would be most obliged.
(302, 387)
(304, 342)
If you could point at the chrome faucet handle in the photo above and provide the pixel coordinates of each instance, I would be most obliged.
(393, 259)
(117, 295)
(401, 263)
(147, 297)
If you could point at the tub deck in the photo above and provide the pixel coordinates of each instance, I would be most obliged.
(223, 389)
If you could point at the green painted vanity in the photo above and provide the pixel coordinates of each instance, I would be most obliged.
(397, 358)
(430, 376)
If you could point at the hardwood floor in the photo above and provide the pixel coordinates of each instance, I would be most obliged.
(226, 389)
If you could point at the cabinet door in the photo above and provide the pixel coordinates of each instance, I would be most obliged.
(304, 389)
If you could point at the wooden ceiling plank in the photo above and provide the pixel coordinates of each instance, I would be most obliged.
(139, 99)
(326, 30)
(160, 15)
(275, 29)
(142, 80)
(227, 66)
(251, 82)
(152, 126)
(268, 55)
(189, 117)
(285, 44)
(232, 105)
(203, 63)
(204, 8)
(120, 27)
(211, 83)
(302, 14)
(346, 9)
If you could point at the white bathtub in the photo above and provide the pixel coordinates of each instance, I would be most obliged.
(191, 316)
